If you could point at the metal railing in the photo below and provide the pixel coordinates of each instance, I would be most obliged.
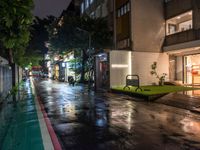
(182, 37)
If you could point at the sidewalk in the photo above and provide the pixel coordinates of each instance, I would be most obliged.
(21, 124)
(189, 100)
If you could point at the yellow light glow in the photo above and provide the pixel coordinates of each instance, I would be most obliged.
(119, 65)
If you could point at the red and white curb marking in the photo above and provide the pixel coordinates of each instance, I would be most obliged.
(50, 140)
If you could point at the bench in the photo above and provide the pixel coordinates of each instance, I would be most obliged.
(132, 80)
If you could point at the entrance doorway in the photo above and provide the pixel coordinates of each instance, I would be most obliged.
(102, 71)
(192, 69)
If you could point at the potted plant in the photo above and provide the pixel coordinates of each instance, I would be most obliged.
(153, 72)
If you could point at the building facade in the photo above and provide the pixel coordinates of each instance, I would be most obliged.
(162, 31)
(182, 41)
(100, 9)
(139, 37)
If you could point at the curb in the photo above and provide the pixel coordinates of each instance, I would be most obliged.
(52, 133)
(50, 129)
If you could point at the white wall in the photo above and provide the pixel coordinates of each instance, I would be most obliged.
(141, 65)
(148, 25)
(120, 66)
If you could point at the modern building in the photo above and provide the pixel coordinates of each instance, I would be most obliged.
(139, 37)
(182, 41)
(97, 8)
(100, 9)
(60, 66)
(162, 31)
(166, 32)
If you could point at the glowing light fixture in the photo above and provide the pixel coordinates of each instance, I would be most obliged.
(119, 65)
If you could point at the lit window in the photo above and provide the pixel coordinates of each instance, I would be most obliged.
(128, 6)
(86, 3)
(118, 13)
(91, 1)
(122, 11)
(82, 7)
(179, 23)
(125, 9)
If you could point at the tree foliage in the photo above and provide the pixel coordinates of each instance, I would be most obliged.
(16, 18)
(37, 46)
(73, 34)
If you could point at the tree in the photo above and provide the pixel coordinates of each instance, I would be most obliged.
(15, 22)
(37, 46)
(80, 33)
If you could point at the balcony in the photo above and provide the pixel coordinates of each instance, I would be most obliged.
(182, 37)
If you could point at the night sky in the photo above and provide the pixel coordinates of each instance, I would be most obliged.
(45, 8)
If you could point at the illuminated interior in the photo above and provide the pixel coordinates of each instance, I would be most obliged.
(192, 69)
(179, 23)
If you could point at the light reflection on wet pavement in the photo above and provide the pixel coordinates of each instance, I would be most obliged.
(106, 121)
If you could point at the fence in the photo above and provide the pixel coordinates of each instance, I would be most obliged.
(5, 80)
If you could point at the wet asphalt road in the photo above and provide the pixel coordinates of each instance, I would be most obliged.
(106, 121)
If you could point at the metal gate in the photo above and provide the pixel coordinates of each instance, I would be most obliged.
(5, 80)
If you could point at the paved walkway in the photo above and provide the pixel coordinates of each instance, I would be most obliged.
(21, 124)
(189, 100)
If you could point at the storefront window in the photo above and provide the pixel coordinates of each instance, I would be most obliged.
(192, 69)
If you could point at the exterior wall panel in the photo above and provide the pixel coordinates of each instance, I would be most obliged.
(148, 25)
(120, 66)
(141, 65)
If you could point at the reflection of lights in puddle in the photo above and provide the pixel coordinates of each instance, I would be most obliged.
(190, 126)
(127, 113)
(68, 108)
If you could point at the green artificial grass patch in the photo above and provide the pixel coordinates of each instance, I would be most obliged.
(154, 90)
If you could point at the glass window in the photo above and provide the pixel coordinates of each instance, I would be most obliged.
(118, 13)
(86, 3)
(171, 28)
(91, 1)
(125, 9)
(122, 11)
(179, 23)
(128, 6)
(185, 25)
(82, 7)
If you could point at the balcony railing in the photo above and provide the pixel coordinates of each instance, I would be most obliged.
(182, 37)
